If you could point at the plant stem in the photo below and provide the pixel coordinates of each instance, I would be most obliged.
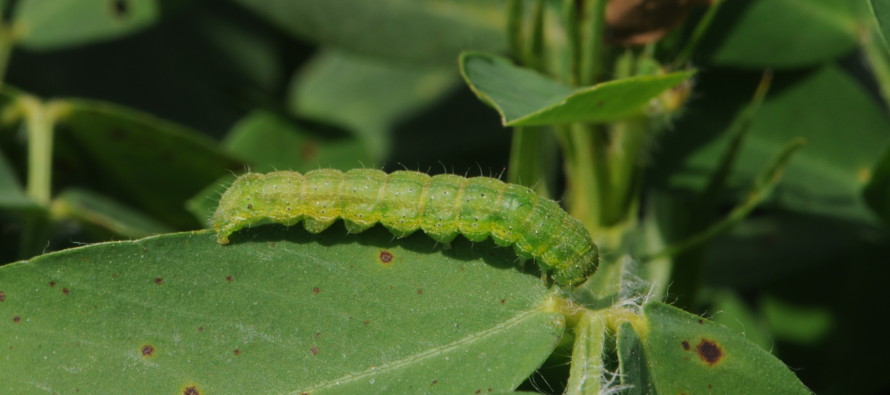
(586, 372)
(7, 40)
(40, 148)
(591, 31)
(530, 158)
(39, 121)
(514, 26)
(628, 139)
(587, 173)
(700, 29)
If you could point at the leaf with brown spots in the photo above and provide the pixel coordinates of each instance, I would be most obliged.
(320, 305)
(674, 352)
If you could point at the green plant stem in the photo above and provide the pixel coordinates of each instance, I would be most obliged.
(586, 169)
(528, 159)
(514, 26)
(7, 40)
(591, 30)
(534, 52)
(700, 30)
(878, 60)
(39, 123)
(628, 140)
(586, 372)
(570, 23)
(40, 149)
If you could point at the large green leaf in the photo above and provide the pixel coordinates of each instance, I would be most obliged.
(270, 142)
(524, 97)
(63, 23)
(674, 352)
(151, 164)
(276, 311)
(419, 30)
(782, 33)
(367, 95)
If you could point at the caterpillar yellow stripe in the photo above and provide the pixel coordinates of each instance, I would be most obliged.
(443, 206)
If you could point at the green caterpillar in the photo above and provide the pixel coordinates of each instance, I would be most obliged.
(443, 206)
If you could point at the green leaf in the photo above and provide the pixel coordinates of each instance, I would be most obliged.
(65, 23)
(686, 354)
(632, 362)
(526, 98)
(366, 95)
(152, 164)
(276, 311)
(272, 142)
(781, 33)
(416, 30)
(94, 209)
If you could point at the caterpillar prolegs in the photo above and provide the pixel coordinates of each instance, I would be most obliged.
(443, 206)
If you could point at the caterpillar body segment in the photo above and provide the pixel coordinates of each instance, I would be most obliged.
(443, 206)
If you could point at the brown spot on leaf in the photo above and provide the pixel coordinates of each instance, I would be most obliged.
(237, 352)
(148, 350)
(316, 290)
(314, 350)
(419, 291)
(65, 291)
(685, 345)
(16, 319)
(709, 351)
(503, 301)
(191, 390)
(309, 150)
(701, 322)
(250, 206)
(434, 382)
(229, 278)
(159, 280)
(200, 329)
(366, 322)
(386, 256)
(2, 296)
(120, 8)
(478, 391)
(52, 284)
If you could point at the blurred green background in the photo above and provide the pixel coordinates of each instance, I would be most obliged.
(157, 103)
